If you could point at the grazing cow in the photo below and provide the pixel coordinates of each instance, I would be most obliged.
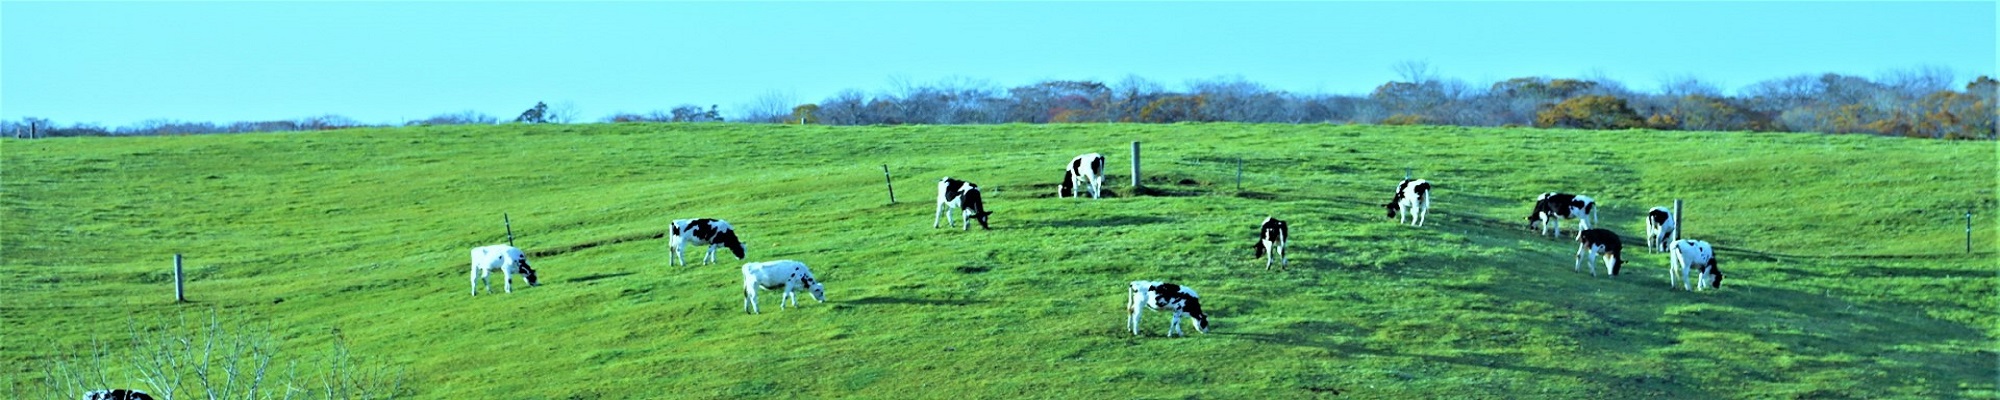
(1596, 242)
(1413, 198)
(790, 275)
(116, 394)
(699, 232)
(506, 259)
(1083, 171)
(1551, 208)
(1659, 228)
(1693, 265)
(1271, 241)
(961, 195)
(1165, 297)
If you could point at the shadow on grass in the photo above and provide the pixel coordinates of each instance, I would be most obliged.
(593, 277)
(870, 301)
(1113, 221)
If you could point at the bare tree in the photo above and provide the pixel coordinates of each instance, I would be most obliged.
(771, 107)
(563, 112)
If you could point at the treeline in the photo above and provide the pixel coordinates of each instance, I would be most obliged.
(1922, 102)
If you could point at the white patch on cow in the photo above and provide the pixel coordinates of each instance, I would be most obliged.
(508, 260)
(792, 276)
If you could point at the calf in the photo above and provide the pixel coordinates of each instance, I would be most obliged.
(1692, 263)
(1083, 171)
(790, 275)
(1659, 228)
(506, 259)
(1552, 207)
(1596, 242)
(699, 232)
(116, 394)
(1271, 241)
(1165, 297)
(961, 195)
(1413, 198)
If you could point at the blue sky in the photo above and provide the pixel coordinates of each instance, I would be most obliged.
(118, 63)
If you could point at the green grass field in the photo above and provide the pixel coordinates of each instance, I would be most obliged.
(1847, 275)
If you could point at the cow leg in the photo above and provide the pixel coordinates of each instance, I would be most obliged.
(1578, 265)
(475, 280)
(1174, 328)
(507, 280)
(710, 258)
(1134, 321)
(936, 215)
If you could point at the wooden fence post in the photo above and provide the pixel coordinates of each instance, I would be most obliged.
(891, 182)
(1968, 231)
(180, 290)
(1239, 174)
(1135, 164)
(1678, 228)
(510, 228)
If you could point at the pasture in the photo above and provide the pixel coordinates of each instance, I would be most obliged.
(1844, 255)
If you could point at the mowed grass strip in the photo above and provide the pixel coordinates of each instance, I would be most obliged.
(1847, 275)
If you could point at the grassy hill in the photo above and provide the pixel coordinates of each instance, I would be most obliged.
(1847, 275)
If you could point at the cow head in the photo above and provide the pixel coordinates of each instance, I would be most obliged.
(1068, 186)
(1391, 206)
(1714, 275)
(1617, 264)
(981, 217)
(818, 290)
(728, 239)
(528, 272)
(1193, 308)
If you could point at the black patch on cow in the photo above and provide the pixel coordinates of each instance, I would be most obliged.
(703, 229)
(1659, 217)
(953, 188)
(728, 239)
(675, 229)
(1097, 165)
(1588, 207)
(1076, 165)
(973, 201)
(1423, 190)
(528, 272)
(1068, 186)
(117, 394)
(1713, 270)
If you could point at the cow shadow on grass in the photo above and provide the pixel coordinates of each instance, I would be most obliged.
(600, 276)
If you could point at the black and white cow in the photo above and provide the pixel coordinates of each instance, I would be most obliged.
(1552, 207)
(1083, 171)
(961, 195)
(506, 259)
(1413, 198)
(1600, 242)
(702, 232)
(792, 276)
(1692, 263)
(116, 394)
(1165, 297)
(1659, 229)
(1271, 240)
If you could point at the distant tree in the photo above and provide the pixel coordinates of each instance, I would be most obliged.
(457, 118)
(1177, 108)
(694, 113)
(1590, 112)
(804, 114)
(535, 115)
(563, 113)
